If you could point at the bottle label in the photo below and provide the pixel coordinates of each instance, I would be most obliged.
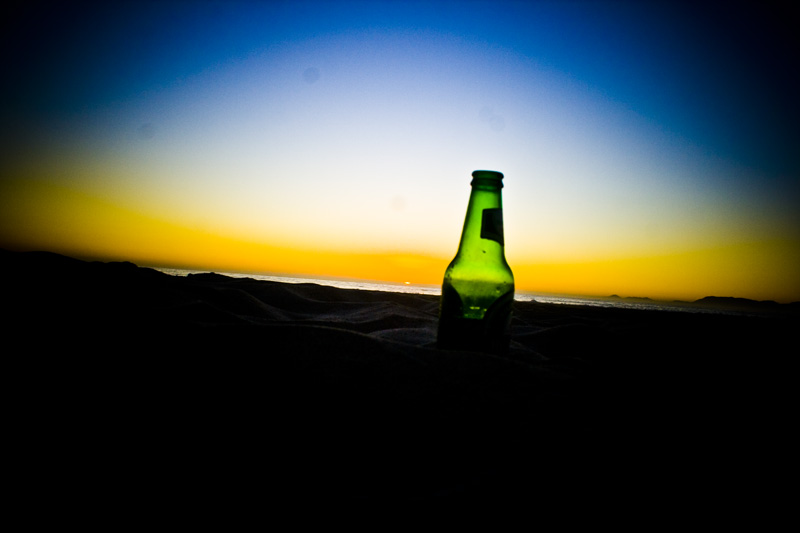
(492, 225)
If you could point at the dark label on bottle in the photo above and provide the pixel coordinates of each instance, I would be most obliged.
(492, 224)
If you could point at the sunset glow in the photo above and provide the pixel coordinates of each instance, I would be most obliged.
(644, 152)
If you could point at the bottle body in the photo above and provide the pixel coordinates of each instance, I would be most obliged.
(478, 285)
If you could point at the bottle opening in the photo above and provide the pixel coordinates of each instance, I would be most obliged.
(487, 174)
(487, 179)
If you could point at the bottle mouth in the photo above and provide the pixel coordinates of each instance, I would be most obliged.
(487, 179)
(487, 174)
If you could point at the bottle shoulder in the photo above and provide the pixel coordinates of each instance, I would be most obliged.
(494, 270)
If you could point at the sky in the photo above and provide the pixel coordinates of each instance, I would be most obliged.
(649, 148)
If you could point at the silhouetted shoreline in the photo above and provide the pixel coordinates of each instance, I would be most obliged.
(723, 303)
(135, 377)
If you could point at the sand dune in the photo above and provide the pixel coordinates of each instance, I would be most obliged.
(126, 377)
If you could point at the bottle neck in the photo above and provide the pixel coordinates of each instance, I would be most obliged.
(482, 237)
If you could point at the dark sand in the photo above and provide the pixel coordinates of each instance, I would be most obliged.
(125, 382)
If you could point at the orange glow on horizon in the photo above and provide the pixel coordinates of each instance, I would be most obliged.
(63, 220)
(759, 271)
(67, 221)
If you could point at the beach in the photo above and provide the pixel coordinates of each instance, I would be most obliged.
(135, 382)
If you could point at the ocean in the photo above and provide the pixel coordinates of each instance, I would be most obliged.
(521, 296)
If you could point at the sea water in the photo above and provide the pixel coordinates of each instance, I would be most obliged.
(436, 290)
(341, 283)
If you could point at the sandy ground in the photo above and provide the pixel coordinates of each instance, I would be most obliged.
(126, 381)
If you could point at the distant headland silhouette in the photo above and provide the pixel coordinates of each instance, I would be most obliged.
(720, 302)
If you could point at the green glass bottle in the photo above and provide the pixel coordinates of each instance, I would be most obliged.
(478, 286)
